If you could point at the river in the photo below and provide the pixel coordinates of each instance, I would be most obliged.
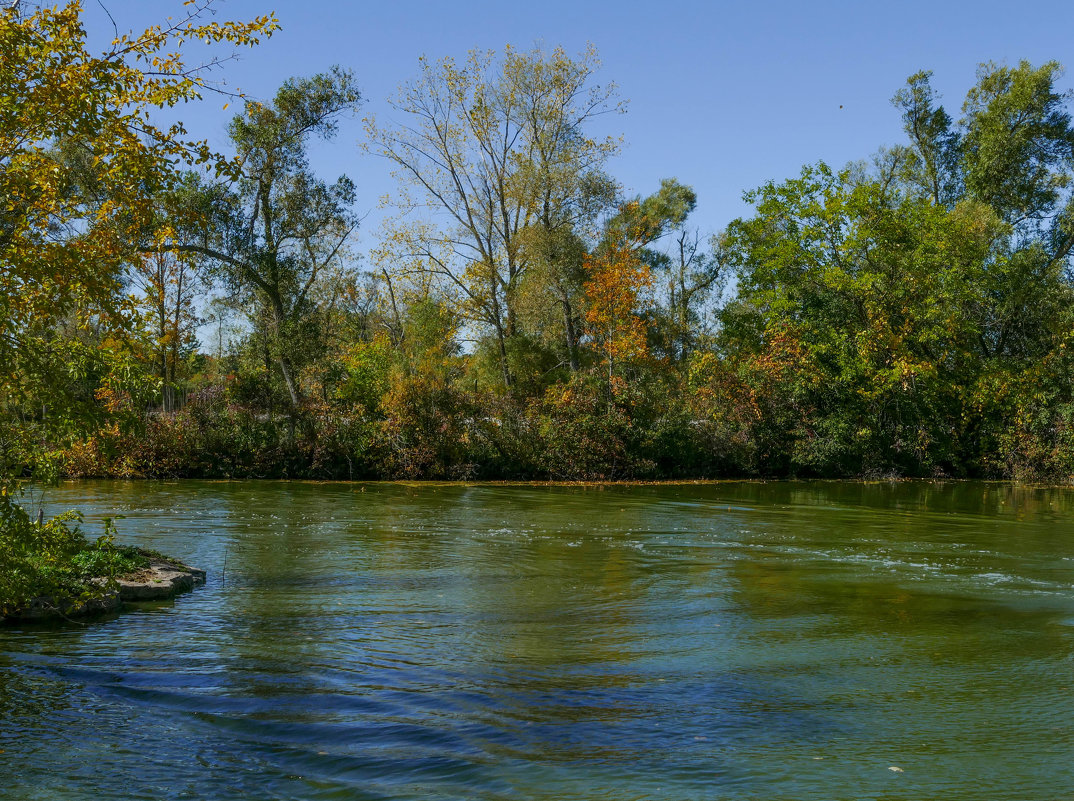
(817, 640)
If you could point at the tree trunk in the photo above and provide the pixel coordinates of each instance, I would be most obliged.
(502, 342)
(292, 388)
(501, 335)
(572, 336)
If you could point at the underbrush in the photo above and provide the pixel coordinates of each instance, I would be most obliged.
(53, 559)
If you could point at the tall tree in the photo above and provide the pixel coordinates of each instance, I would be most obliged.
(884, 298)
(278, 235)
(617, 294)
(694, 277)
(488, 151)
(930, 161)
(72, 120)
(1018, 146)
(170, 284)
(685, 270)
(62, 252)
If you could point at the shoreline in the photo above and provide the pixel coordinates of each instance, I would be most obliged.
(538, 483)
(162, 579)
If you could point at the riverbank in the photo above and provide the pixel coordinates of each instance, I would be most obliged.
(49, 568)
(154, 578)
(1067, 483)
(526, 443)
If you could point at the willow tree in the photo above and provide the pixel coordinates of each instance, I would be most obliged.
(1013, 151)
(498, 171)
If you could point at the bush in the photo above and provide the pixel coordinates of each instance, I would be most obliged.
(51, 558)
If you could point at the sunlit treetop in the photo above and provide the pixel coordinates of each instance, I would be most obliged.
(81, 159)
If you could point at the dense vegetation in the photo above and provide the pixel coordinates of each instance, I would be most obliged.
(82, 167)
(519, 317)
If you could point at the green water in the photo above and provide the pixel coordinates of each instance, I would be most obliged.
(738, 641)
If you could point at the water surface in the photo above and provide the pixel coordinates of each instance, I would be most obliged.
(728, 641)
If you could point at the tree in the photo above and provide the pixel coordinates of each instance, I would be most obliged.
(618, 284)
(884, 297)
(1013, 150)
(278, 234)
(170, 284)
(930, 162)
(694, 279)
(62, 247)
(1018, 145)
(690, 272)
(490, 150)
(80, 164)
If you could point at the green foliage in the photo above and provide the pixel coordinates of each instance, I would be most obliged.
(920, 297)
(277, 237)
(82, 164)
(1018, 147)
(368, 366)
(51, 559)
(104, 559)
(908, 318)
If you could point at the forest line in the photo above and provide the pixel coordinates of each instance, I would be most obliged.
(522, 317)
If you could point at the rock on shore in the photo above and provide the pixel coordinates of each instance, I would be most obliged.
(161, 580)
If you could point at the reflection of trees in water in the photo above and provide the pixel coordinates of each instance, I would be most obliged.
(280, 619)
(505, 613)
(463, 627)
(946, 570)
(952, 497)
(512, 576)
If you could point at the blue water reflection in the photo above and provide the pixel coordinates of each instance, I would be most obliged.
(493, 642)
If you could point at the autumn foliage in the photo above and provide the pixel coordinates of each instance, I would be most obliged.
(617, 290)
(521, 316)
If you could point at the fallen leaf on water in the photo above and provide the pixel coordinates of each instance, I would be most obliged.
(896, 769)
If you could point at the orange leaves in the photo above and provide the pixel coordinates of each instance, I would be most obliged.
(618, 284)
(111, 400)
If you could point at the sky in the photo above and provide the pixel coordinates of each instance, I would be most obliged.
(723, 96)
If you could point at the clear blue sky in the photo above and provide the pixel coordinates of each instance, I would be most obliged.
(723, 95)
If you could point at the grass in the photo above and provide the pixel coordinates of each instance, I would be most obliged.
(106, 560)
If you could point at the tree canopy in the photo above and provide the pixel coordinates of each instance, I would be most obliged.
(522, 314)
(81, 162)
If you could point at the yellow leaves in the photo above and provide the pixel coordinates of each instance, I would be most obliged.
(63, 251)
(617, 281)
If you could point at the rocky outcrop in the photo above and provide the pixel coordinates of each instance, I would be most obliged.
(48, 608)
(159, 581)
